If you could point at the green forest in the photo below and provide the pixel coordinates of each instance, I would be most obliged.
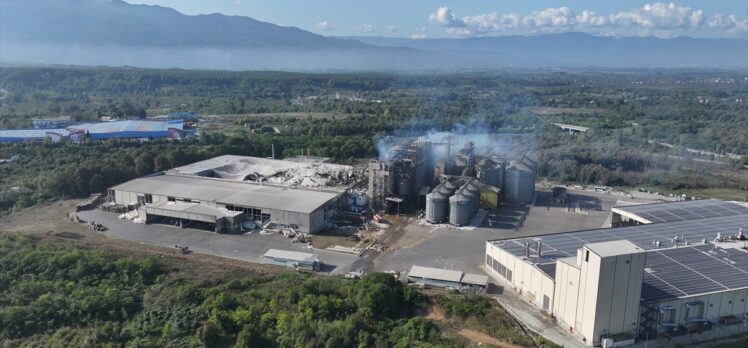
(317, 113)
(55, 293)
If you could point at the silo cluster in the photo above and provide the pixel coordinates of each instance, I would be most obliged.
(448, 203)
(437, 202)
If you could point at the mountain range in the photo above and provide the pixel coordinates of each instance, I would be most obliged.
(116, 33)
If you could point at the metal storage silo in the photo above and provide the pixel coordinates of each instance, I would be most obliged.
(437, 205)
(448, 185)
(519, 182)
(459, 210)
(490, 172)
(472, 188)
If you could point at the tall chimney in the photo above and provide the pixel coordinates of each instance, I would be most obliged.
(272, 147)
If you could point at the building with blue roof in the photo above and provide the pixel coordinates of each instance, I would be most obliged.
(135, 129)
(21, 135)
(126, 129)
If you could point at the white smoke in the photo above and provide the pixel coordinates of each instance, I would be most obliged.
(485, 141)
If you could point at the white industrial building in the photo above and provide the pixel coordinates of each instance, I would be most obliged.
(644, 281)
(223, 204)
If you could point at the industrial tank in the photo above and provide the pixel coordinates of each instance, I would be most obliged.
(449, 186)
(460, 210)
(490, 173)
(519, 182)
(437, 205)
(474, 190)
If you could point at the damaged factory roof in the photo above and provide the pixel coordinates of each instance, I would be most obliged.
(272, 171)
(228, 192)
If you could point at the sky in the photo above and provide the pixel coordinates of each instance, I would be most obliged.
(468, 18)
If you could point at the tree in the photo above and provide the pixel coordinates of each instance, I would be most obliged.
(96, 184)
(144, 164)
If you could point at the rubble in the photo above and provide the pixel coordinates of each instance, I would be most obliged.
(275, 172)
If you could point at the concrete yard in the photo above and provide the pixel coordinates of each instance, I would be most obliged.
(463, 249)
(242, 247)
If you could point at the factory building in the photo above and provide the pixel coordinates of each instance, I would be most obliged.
(224, 193)
(21, 135)
(128, 129)
(162, 196)
(293, 259)
(636, 282)
(411, 178)
(400, 182)
(133, 129)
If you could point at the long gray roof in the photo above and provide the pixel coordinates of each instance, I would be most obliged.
(229, 192)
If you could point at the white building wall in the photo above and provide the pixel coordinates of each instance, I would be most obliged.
(526, 278)
(716, 305)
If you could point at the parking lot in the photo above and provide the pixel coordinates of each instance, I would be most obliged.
(242, 247)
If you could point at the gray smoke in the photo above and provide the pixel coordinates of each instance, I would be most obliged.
(486, 142)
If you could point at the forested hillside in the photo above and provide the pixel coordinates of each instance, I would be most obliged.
(54, 293)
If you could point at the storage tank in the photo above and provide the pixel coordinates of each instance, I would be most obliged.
(460, 210)
(474, 190)
(437, 205)
(519, 182)
(490, 173)
(448, 185)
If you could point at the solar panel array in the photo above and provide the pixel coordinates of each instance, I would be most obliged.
(685, 210)
(690, 269)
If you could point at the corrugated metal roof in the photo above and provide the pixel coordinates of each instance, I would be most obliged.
(475, 279)
(229, 192)
(128, 126)
(435, 273)
(291, 255)
(194, 208)
(31, 133)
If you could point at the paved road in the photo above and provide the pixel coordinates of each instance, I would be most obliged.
(243, 247)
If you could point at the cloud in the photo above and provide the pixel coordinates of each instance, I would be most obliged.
(444, 17)
(390, 28)
(662, 19)
(366, 28)
(419, 34)
(324, 26)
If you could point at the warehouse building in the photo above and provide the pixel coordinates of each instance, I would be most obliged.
(223, 205)
(293, 259)
(21, 135)
(448, 279)
(132, 129)
(644, 281)
(127, 129)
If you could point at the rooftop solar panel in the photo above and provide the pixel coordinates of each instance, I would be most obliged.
(684, 210)
(685, 267)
